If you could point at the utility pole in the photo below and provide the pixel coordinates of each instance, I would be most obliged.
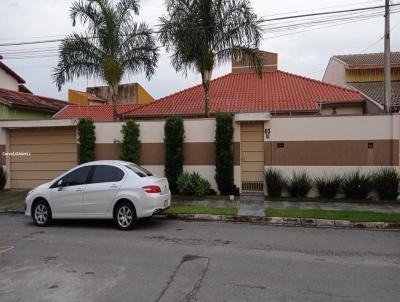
(387, 79)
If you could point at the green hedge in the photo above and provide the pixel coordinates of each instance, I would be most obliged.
(353, 184)
(224, 153)
(130, 146)
(174, 135)
(275, 182)
(87, 140)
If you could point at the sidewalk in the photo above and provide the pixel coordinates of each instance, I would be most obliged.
(333, 206)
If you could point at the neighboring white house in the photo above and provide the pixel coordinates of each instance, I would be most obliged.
(10, 80)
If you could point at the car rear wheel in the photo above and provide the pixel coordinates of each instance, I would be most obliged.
(41, 213)
(125, 216)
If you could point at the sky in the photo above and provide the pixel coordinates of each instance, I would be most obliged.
(306, 53)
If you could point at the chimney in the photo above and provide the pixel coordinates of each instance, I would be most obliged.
(269, 62)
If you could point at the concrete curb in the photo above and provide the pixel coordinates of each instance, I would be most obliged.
(12, 212)
(285, 221)
(278, 221)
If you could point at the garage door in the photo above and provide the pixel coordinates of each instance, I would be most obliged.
(52, 152)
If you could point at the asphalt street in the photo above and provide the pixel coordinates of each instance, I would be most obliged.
(165, 260)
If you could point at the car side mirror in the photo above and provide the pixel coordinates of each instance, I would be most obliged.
(60, 184)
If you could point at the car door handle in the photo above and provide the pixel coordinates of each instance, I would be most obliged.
(114, 186)
(79, 190)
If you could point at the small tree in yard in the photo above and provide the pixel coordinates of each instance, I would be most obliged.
(174, 135)
(130, 147)
(112, 45)
(87, 140)
(224, 153)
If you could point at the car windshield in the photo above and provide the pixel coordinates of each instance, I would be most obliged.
(140, 171)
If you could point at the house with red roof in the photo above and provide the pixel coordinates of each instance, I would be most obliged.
(243, 91)
(280, 120)
(276, 92)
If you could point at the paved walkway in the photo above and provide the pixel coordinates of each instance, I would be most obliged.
(334, 206)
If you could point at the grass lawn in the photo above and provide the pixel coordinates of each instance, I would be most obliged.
(208, 197)
(11, 200)
(355, 216)
(320, 199)
(228, 211)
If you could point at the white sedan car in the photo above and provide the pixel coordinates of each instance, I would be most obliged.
(115, 189)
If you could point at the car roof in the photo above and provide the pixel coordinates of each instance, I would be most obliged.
(121, 162)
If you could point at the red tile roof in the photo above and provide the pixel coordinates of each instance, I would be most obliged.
(30, 101)
(90, 96)
(98, 113)
(275, 92)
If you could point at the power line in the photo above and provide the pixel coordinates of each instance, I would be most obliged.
(329, 13)
(263, 20)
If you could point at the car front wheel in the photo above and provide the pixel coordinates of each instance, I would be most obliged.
(125, 216)
(41, 213)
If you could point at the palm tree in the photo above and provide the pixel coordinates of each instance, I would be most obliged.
(113, 45)
(203, 33)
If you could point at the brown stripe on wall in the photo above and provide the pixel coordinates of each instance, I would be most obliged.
(106, 151)
(199, 153)
(332, 153)
(153, 153)
(2, 157)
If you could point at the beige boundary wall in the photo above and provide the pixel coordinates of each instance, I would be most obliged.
(318, 145)
(198, 145)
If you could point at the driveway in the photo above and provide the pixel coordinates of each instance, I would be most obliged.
(165, 260)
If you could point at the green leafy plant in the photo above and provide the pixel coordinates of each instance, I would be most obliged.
(193, 184)
(224, 153)
(87, 140)
(130, 146)
(3, 177)
(183, 184)
(356, 185)
(328, 186)
(275, 182)
(386, 183)
(174, 135)
(299, 184)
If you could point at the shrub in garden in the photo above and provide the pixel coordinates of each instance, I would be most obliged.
(356, 185)
(299, 184)
(328, 186)
(224, 153)
(87, 140)
(3, 177)
(386, 183)
(275, 182)
(193, 184)
(174, 135)
(183, 184)
(130, 146)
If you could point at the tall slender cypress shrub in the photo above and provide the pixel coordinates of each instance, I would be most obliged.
(224, 153)
(87, 140)
(130, 146)
(174, 135)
